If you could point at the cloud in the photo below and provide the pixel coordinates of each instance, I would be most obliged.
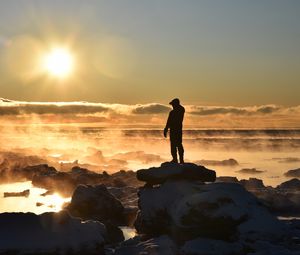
(214, 110)
(8, 107)
(151, 113)
(150, 109)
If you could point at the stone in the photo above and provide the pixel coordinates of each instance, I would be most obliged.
(167, 171)
(185, 210)
(97, 203)
(227, 179)
(50, 233)
(290, 185)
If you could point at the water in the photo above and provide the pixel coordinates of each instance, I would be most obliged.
(49, 203)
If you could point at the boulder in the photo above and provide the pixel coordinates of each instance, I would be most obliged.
(186, 210)
(253, 184)
(290, 185)
(96, 203)
(42, 169)
(162, 245)
(280, 203)
(61, 182)
(203, 246)
(128, 197)
(227, 179)
(293, 173)
(226, 162)
(167, 171)
(49, 233)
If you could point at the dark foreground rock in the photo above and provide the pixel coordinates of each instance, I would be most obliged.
(65, 183)
(162, 245)
(167, 171)
(49, 233)
(97, 203)
(227, 179)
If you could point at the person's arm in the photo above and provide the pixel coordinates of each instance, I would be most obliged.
(167, 125)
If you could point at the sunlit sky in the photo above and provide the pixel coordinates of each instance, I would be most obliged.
(210, 52)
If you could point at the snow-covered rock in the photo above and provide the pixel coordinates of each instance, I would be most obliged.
(167, 171)
(96, 203)
(263, 248)
(186, 210)
(203, 246)
(49, 233)
(278, 202)
(162, 245)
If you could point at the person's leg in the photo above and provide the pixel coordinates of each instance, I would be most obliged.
(181, 153)
(173, 141)
(179, 145)
(174, 151)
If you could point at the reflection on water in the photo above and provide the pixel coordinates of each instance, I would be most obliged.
(33, 203)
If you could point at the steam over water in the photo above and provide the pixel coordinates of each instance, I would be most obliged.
(271, 152)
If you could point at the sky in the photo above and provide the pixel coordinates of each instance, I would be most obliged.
(209, 53)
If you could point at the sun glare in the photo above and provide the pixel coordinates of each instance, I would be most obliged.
(57, 202)
(59, 62)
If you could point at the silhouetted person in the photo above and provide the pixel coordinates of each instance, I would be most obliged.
(174, 123)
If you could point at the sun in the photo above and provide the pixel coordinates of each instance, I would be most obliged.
(58, 62)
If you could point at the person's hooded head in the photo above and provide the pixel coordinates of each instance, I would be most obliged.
(175, 102)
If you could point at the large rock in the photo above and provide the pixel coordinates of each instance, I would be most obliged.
(167, 171)
(227, 179)
(128, 197)
(290, 185)
(293, 173)
(226, 162)
(60, 182)
(42, 169)
(49, 233)
(162, 245)
(96, 203)
(203, 246)
(253, 184)
(186, 210)
(280, 203)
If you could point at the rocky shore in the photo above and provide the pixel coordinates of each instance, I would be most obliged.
(176, 209)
